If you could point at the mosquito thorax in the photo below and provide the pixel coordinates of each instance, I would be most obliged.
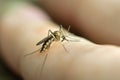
(57, 35)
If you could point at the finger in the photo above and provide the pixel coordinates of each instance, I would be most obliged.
(22, 27)
(95, 20)
(64, 11)
(20, 38)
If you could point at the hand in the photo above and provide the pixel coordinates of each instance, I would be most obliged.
(24, 25)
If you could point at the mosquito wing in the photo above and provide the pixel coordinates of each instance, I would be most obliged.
(43, 40)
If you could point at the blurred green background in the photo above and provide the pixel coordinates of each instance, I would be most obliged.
(7, 74)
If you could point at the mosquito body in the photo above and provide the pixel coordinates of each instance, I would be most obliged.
(47, 41)
(52, 36)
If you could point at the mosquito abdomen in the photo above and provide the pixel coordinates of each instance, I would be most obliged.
(47, 44)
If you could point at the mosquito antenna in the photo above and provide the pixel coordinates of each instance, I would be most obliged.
(68, 31)
(64, 32)
(61, 27)
(68, 28)
(31, 52)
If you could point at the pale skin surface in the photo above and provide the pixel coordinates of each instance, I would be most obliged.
(24, 25)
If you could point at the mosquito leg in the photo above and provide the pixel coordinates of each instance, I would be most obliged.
(31, 53)
(64, 38)
(51, 34)
(71, 39)
(43, 64)
(65, 48)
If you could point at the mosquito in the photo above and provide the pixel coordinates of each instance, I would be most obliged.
(47, 41)
(52, 36)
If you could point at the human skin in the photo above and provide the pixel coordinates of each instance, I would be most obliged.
(85, 60)
(97, 20)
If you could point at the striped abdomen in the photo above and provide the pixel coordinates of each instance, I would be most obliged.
(47, 44)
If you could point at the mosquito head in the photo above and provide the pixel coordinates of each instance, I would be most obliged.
(60, 34)
(57, 35)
